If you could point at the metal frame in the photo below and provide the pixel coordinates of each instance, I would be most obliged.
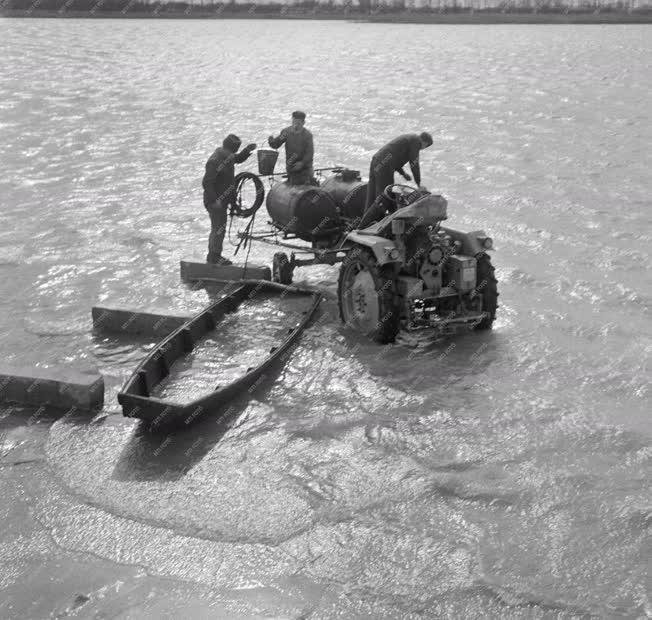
(321, 256)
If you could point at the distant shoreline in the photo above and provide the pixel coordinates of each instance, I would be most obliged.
(466, 16)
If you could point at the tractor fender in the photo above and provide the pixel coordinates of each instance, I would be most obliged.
(385, 250)
(471, 241)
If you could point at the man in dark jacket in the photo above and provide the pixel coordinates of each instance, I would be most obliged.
(391, 158)
(219, 189)
(299, 150)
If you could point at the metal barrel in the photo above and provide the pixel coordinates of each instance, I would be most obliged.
(348, 191)
(304, 210)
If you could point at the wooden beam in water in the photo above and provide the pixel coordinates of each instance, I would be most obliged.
(61, 388)
(124, 321)
(196, 271)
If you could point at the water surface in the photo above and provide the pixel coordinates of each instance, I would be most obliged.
(502, 474)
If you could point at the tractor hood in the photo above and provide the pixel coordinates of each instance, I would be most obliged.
(429, 209)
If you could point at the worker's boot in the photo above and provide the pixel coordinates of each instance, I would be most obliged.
(217, 259)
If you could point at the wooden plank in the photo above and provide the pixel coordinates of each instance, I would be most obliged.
(124, 321)
(62, 388)
(196, 271)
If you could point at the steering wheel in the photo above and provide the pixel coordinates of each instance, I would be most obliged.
(398, 193)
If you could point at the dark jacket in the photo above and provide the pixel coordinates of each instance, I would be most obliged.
(298, 148)
(219, 175)
(400, 151)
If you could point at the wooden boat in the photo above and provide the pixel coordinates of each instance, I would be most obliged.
(161, 414)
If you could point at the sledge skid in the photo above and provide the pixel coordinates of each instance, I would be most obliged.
(196, 271)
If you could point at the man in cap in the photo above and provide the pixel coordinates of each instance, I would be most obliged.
(299, 150)
(219, 189)
(391, 158)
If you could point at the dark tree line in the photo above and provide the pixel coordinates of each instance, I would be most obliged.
(303, 6)
(197, 6)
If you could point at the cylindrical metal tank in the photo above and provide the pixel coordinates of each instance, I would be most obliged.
(304, 210)
(348, 191)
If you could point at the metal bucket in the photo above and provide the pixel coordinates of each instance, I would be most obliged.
(266, 161)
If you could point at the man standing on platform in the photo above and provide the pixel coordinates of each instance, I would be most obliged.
(299, 150)
(219, 188)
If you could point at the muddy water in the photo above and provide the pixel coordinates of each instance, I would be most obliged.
(502, 474)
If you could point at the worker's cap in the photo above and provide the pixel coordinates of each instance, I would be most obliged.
(299, 114)
(426, 137)
(232, 142)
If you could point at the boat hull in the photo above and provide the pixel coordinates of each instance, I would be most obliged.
(163, 415)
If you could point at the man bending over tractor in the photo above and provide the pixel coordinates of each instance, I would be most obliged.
(391, 158)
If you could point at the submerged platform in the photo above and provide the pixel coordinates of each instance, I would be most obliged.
(125, 321)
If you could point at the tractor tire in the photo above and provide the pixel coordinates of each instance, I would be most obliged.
(282, 269)
(487, 288)
(367, 296)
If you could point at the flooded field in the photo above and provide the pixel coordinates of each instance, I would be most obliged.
(502, 474)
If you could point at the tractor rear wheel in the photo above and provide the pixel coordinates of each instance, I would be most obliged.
(367, 298)
(487, 288)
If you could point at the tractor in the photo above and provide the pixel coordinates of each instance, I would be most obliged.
(405, 271)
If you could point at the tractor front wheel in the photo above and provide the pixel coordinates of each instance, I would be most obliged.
(487, 288)
(367, 296)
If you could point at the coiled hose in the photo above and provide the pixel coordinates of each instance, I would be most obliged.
(237, 208)
(240, 210)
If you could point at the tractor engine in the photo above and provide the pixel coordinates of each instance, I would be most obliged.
(434, 258)
(435, 273)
